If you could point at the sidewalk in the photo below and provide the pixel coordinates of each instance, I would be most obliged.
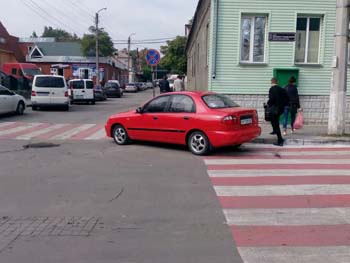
(309, 135)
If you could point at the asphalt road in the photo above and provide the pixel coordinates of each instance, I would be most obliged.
(97, 202)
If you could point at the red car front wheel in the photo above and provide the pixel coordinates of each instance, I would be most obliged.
(120, 135)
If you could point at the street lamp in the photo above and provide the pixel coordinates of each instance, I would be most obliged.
(129, 46)
(97, 47)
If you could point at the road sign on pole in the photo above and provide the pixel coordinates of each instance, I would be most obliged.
(153, 57)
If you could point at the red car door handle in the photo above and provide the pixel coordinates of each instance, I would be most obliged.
(186, 118)
(155, 118)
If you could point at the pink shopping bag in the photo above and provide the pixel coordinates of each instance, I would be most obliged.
(299, 121)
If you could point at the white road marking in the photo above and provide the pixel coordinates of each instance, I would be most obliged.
(101, 134)
(20, 128)
(40, 132)
(336, 254)
(282, 190)
(71, 132)
(290, 217)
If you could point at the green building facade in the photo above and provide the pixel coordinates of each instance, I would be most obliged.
(251, 41)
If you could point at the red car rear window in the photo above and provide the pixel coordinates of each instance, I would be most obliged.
(218, 101)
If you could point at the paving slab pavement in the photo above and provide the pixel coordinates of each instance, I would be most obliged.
(309, 135)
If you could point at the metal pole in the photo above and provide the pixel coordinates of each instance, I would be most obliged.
(97, 52)
(97, 45)
(129, 57)
(129, 71)
(337, 106)
(154, 91)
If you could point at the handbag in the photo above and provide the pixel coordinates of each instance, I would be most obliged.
(299, 121)
(267, 113)
(270, 112)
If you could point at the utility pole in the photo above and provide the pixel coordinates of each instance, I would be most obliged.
(337, 105)
(129, 58)
(97, 46)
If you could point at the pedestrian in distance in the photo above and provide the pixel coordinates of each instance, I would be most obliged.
(164, 85)
(179, 84)
(294, 104)
(278, 100)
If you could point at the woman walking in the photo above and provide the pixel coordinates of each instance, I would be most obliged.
(294, 104)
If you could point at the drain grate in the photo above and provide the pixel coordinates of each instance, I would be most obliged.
(12, 228)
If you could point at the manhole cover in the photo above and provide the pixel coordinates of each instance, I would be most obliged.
(40, 145)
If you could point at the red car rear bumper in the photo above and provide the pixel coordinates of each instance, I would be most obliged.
(228, 138)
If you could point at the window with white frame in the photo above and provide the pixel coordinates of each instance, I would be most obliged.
(308, 38)
(253, 34)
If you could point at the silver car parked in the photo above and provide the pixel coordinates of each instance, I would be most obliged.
(11, 102)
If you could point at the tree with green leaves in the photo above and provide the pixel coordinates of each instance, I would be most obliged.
(59, 34)
(175, 60)
(88, 43)
(34, 35)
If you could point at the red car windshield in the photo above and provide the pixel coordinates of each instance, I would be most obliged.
(217, 101)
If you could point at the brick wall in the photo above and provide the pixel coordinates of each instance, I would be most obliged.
(316, 108)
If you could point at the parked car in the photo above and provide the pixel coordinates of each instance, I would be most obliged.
(201, 120)
(100, 94)
(131, 87)
(149, 85)
(11, 102)
(142, 86)
(49, 90)
(112, 89)
(81, 90)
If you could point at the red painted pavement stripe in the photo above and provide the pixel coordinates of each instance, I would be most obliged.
(285, 157)
(84, 134)
(11, 126)
(270, 202)
(29, 130)
(55, 132)
(279, 180)
(278, 166)
(279, 236)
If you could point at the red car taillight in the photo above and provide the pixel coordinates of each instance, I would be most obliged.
(33, 93)
(256, 117)
(66, 94)
(230, 120)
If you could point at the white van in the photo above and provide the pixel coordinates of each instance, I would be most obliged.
(81, 90)
(48, 90)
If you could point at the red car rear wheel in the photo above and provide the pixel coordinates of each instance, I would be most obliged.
(198, 143)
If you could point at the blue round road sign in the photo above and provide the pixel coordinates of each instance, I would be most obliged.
(153, 57)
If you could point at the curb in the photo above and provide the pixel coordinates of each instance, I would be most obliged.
(306, 141)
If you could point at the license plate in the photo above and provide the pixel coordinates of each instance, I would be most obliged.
(246, 121)
(43, 94)
(79, 96)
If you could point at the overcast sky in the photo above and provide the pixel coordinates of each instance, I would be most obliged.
(149, 19)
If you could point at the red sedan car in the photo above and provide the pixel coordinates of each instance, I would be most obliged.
(200, 120)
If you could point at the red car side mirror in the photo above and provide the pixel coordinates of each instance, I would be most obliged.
(139, 110)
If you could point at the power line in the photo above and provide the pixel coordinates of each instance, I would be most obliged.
(64, 14)
(35, 5)
(87, 17)
(135, 43)
(37, 12)
(80, 7)
(146, 40)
